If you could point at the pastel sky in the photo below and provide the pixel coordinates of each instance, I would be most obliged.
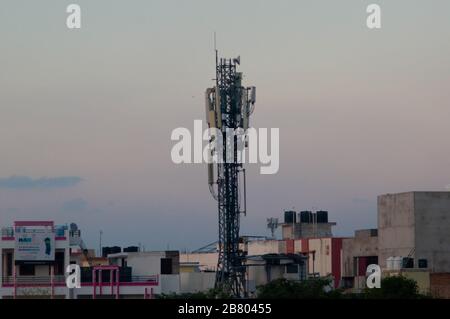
(86, 115)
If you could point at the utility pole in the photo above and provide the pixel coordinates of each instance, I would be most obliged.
(100, 244)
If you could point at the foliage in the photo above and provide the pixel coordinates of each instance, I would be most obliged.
(317, 288)
(395, 287)
(187, 296)
(214, 293)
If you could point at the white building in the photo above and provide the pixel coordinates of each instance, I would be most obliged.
(35, 255)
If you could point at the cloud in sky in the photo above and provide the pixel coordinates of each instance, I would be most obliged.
(25, 182)
(75, 205)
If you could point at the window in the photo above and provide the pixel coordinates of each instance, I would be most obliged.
(166, 266)
(59, 263)
(9, 264)
(26, 270)
(292, 269)
(372, 260)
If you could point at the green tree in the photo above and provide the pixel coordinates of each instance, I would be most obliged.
(214, 293)
(395, 287)
(307, 289)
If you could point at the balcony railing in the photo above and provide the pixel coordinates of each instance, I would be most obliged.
(33, 281)
(45, 281)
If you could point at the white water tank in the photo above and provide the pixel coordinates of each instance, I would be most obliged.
(397, 263)
(390, 263)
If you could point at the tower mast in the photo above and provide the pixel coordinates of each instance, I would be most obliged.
(228, 107)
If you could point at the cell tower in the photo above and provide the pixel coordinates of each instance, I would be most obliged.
(228, 109)
(272, 224)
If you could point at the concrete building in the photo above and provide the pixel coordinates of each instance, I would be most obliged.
(415, 225)
(262, 269)
(324, 256)
(412, 239)
(21, 277)
(358, 253)
(198, 271)
(206, 261)
(144, 266)
(264, 247)
(268, 260)
(306, 224)
(194, 280)
(35, 255)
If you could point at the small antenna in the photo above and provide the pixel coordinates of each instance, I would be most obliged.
(217, 59)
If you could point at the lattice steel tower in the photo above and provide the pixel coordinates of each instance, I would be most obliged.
(228, 109)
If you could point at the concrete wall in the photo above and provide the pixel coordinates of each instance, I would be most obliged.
(287, 231)
(170, 284)
(396, 221)
(207, 261)
(145, 264)
(261, 275)
(307, 230)
(419, 221)
(432, 221)
(322, 264)
(262, 247)
(348, 251)
(422, 278)
(298, 245)
(364, 244)
(197, 281)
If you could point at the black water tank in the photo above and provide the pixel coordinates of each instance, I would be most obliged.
(408, 262)
(423, 263)
(322, 217)
(306, 217)
(290, 217)
(115, 250)
(131, 249)
(106, 251)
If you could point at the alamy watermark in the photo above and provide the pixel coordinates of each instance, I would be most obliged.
(373, 274)
(73, 278)
(73, 20)
(373, 20)
(207, 146)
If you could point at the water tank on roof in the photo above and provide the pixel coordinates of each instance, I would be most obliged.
(290, 217)
(106, 251)
(423, 263)
(131, 249)
(390, 263)
(116, 250)
(306, 217)
(322, 217)
(408, 262)
(110, 250)
(397, 263)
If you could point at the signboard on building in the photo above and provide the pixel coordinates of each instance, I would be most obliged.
(34, 244)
